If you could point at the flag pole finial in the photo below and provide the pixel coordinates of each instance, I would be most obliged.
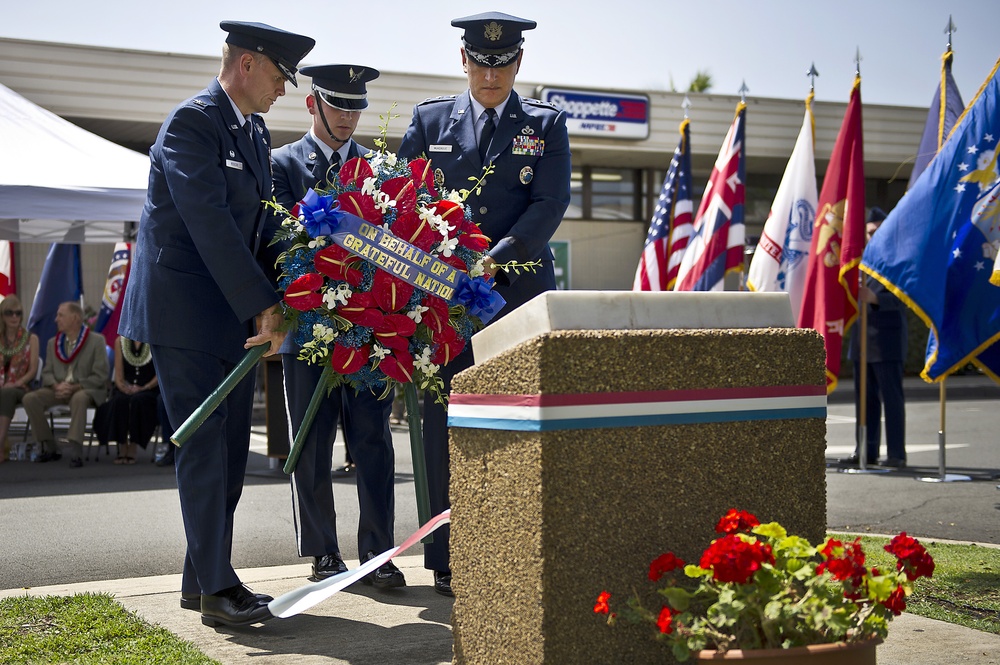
(857, 62)
(686, 104)
(812, 74)
(950, 30)
(743, 91)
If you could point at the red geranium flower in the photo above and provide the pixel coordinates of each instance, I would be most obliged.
(911, 556)
(302, 293)
(736, 520)
(391, 293)
(347, 359)
(663, 564)
(337, 263)
(896, 602)
(665, 620)
(602, 607)
(732, 559)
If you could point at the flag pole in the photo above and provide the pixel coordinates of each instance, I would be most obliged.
(943, 475)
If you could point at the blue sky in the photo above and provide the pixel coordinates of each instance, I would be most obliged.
(614, 44)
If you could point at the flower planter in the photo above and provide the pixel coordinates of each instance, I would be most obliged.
(839, 653)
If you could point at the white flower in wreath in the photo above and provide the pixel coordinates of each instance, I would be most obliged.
(455, 196)
(423, 363)
(382, 201)
(376, 161)
(317, 242)
(337, 296)
(390, 159)
(368, 188)
(322, 333)
(417, 313)
(477, 269)
(446, 247)
(379, 352)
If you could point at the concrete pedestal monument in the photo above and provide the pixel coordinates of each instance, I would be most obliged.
(601, 429)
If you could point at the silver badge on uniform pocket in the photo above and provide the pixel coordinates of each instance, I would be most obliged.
(527, 173)
(232, 153)
(439, 177)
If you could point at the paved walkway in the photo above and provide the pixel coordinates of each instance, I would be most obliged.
(411, 626)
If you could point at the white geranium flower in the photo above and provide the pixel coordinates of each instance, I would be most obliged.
(446, 247)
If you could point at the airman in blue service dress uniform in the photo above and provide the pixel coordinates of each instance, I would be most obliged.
(521, 204)
(338, 96)
(886, 341)
(201, 275)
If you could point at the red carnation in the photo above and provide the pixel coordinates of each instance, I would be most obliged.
(663, 564)
(302, 293)
(602, 607)
(732, 559)
(347, 359)
(665, 620)
(736, 520)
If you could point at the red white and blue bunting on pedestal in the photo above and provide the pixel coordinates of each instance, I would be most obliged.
(546, 413)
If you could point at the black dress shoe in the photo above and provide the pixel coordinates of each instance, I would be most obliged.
(235, 606)
(442, 583)
(192, 601)
(75, 463)
(346, 471)
(327, 565)
(41, 458)
(386, 576)
(893, 462)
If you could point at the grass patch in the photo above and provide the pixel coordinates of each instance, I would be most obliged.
(965, 587)
(85, 629)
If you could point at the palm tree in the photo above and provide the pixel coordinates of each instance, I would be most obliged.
(702, 82)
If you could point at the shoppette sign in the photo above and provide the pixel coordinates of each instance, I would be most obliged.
(599, 114)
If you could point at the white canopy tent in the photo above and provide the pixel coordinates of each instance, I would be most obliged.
(59, 182)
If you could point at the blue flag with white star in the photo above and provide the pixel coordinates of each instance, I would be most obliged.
(937, 248)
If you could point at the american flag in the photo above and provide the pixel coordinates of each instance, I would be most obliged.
(716, 245)
(670, 227)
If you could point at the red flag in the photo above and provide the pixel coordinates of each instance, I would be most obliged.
(110, 330)
(8, 282)
(830, 299)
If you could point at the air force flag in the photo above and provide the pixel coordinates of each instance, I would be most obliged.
(937, 249)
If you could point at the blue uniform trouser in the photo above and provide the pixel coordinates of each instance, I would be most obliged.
(211, 465)
(366, 427)
(884, 382)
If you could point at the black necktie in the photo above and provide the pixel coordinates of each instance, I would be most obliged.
(333, 169)
(487, 135)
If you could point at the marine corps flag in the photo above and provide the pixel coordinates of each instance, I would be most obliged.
(779, 262)
(716, 244)
(830, 295)
(938, 248)
(670, 227)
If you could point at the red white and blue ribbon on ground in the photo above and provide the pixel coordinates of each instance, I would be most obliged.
(552, 412)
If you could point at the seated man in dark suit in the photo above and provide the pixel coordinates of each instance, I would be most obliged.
(75, 373)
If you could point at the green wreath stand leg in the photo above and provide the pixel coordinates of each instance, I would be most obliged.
(216, 397)
(307, 420)
(417, 453)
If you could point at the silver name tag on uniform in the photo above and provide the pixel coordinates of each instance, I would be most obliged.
(233, 164)
(438, 147)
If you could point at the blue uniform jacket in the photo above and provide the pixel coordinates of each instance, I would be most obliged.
(523, 201)
(202, 269)
(887, 333)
